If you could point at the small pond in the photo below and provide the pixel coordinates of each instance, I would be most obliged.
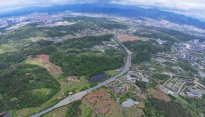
(97, 77)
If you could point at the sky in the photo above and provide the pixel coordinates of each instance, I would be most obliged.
(191, 8)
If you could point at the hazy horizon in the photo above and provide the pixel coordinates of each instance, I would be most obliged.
(190, 8)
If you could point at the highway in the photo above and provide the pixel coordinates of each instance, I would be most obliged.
(79, 95)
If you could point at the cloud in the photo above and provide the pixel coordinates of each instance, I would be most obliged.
(192, 8)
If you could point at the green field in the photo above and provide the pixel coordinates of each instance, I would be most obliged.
(59, 112)
(183, 101)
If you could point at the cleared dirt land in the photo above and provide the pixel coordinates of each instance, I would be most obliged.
(159, 95)
(60, 112)
(101, 102)
(43, 61)
(124, 38)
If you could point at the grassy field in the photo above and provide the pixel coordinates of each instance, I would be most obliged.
(23, 112)
(112, 72)
(183, 101)
(7, 48)
(73, 85)
(19, 43)
(60, 112)
(134, 112)
(42, 92)
(66, 86)
(157, 94)
(14, 45)
(52, 69)
(28, 111)
(86, 110)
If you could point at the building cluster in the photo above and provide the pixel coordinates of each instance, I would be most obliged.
(106, 45)
(55, 39)
(195, 93)
(185, 48)
(196, 90)
(127, 83)
(50, 24)
(169, 25)
(48, 18)
(161, 41)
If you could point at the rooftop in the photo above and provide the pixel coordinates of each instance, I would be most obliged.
(145, 80)
(130, 78)
(129, 103)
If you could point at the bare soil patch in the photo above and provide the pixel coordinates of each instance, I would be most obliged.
(142, 96)
(124, 38)
(160, 90)
(43, 60)
(157, 94)
(102, 102)
(28, 74)
(141, 105)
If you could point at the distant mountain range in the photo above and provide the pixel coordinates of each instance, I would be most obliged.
(114, 9)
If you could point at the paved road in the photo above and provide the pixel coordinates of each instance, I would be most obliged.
(7, 115)
(170, 74)
(179, 90)
(79, 95)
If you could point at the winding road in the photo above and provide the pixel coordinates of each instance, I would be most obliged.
(79, 95)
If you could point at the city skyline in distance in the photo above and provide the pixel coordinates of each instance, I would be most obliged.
(194, 9)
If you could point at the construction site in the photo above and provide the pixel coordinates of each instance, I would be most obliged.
(125, 38)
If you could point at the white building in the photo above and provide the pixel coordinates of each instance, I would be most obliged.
(129, 103)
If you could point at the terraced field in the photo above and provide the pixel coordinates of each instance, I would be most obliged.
(159, 95)
(134, 112)
(60, 112)
(101, 103)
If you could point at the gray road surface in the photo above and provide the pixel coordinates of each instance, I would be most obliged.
(170, 74)
(179, 90)
(7, 115)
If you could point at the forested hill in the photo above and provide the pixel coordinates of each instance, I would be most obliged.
(25, 86)
(114, 9)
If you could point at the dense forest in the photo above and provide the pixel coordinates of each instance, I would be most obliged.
(74, 59)
(183, 107)
(73, 109)
(146, 46)
(31, 31)
(187, 66)
(196, 107)
(142, 85)
(73, 55)
(155, 35)
(82, 23)
(104, 23)
(156, 107)
(85, 42)
(41, 47)
(179, 35)
(141, 56)
(158, 35)
(23, 87)
(170, 35)
(143, 50)
(160, 76)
